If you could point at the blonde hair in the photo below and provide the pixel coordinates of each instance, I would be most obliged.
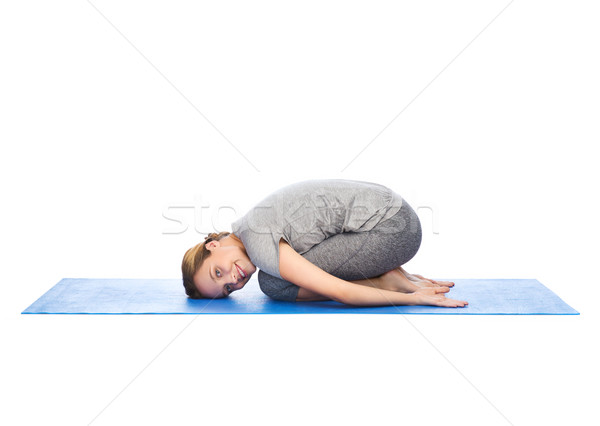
(193, 260)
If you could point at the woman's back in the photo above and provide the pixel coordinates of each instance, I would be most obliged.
(306, 213)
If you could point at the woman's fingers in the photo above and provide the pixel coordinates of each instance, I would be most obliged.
(443, 301)
(432, 291)
(451, 303)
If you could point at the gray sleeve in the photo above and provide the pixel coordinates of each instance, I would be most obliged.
(277, 288)
(260, 235)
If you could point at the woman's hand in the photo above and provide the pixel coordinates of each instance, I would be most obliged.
(434, 296)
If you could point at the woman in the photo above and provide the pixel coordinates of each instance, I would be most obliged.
(328, 239)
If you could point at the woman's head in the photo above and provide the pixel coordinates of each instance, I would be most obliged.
(216, 267)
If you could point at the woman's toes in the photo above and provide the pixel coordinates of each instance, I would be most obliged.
(445, 283)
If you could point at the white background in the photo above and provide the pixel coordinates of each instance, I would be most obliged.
(105, 121)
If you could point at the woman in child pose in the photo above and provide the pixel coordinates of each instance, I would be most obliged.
(326, 239)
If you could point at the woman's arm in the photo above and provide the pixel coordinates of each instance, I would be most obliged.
(296, 269)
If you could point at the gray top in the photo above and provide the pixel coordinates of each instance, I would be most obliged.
(308, 212)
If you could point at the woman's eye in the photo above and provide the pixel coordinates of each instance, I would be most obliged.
(218, 273)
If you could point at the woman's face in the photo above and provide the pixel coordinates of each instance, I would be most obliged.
(220, 273)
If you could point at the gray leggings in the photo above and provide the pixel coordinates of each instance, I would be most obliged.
(357, 255)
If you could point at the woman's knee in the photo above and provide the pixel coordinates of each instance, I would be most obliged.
(277, 288)
(397, 240)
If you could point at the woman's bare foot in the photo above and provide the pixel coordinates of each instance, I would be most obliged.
(395, 280)
(421, 281)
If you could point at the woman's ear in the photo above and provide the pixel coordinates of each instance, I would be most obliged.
(212, 244)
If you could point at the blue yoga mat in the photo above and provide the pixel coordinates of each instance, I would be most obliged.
(166, 296)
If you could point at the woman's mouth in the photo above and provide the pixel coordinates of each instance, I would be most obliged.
(241, 271)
